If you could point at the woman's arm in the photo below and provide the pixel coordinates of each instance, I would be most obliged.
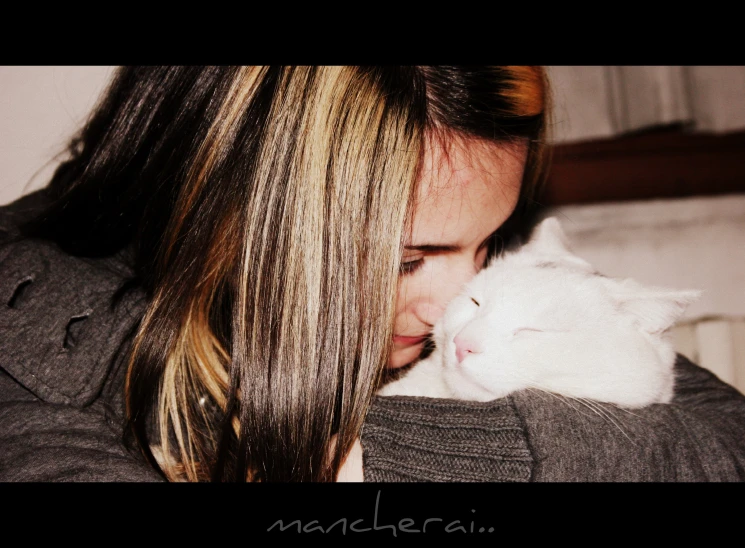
(41, 441)
(534, 436)
(700, 436)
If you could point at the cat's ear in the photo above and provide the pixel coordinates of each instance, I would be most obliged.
(656, 309)
(548, 238)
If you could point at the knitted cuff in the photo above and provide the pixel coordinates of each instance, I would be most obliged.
(435, 440)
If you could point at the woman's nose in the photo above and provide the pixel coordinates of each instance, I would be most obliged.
(432, 308)
(428, 312)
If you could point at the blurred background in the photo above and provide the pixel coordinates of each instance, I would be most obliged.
(648, 177)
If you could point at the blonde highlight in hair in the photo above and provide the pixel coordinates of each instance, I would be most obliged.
(340, 187)
(196, 363)
(308, 283)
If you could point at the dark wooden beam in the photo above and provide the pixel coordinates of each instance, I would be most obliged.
(664, 163)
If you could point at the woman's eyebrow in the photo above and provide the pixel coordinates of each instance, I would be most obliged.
(433, 247)
(440, 248)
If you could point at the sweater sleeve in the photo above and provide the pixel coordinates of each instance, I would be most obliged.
(42, 441)
(426, 439)
(700, 436)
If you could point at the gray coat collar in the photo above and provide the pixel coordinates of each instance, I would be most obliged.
(61, 335)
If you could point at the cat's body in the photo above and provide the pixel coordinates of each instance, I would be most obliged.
(542, 318)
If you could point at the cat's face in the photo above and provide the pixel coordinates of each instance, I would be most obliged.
(541, 305)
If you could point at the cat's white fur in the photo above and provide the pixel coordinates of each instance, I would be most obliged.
(546, 320)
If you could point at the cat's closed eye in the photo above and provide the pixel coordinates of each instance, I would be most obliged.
(475, 301)
(523, 329)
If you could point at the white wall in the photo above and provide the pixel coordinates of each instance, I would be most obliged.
(687, 243)
(40, 108)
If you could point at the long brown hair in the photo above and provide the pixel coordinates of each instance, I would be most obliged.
(264, 209)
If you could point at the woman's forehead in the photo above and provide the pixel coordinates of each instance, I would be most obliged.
(466, 185)
(448, 156)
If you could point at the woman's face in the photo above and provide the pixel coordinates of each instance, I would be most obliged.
(467, 191)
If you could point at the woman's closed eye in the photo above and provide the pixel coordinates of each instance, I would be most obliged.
(409, 267)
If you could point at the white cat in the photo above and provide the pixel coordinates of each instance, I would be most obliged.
(543, 318)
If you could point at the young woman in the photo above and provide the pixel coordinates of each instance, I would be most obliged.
(239, 255)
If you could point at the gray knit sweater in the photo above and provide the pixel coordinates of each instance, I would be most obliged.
(61, 401)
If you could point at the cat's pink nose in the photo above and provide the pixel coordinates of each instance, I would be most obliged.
(465, 346)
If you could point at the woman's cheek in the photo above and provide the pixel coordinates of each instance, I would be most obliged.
(404, 356)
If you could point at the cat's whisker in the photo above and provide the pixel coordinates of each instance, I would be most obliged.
(622, 409)
(598, 408)
(628, 411)
(567, 400)
(603, 411)
(590, 405)
(584, 404)
(539, 392)
(536, 389)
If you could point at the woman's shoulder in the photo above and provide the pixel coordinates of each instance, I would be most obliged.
(20, 210)
(60, 325)
(61, 360)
